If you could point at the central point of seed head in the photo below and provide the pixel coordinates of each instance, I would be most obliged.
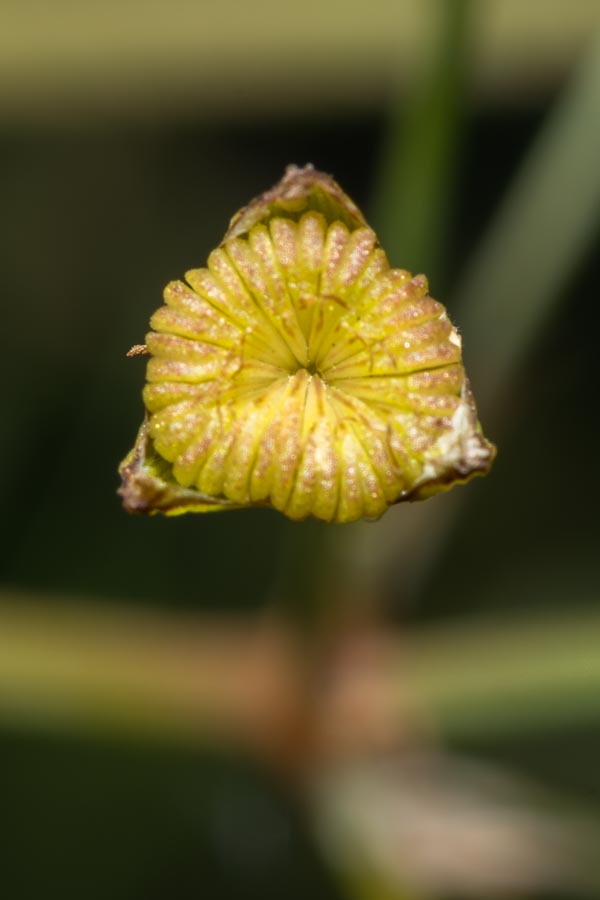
(305, 366)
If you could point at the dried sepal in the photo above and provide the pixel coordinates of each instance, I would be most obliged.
(148, 486)
(299, 371)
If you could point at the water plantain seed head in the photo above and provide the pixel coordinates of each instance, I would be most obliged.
(299, 371)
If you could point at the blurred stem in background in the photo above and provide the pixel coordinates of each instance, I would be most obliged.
(89, 669)
(417, 170)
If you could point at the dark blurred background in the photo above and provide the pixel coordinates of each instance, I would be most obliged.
(129, 135)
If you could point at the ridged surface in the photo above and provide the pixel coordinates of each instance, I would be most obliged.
(298, 370)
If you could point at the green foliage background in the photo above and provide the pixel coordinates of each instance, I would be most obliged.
(499, 202)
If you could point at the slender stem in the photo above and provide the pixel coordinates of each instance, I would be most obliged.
(418, 164)
(301, 586)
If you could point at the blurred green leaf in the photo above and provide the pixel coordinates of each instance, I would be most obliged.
(545, 224)
(416, 173)
(88, 668)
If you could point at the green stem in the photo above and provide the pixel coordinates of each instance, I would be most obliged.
(301, 587)
(417, 170)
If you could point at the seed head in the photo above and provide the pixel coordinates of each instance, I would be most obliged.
(299, 371)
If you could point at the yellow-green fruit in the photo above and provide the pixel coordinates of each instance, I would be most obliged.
(299, 371)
